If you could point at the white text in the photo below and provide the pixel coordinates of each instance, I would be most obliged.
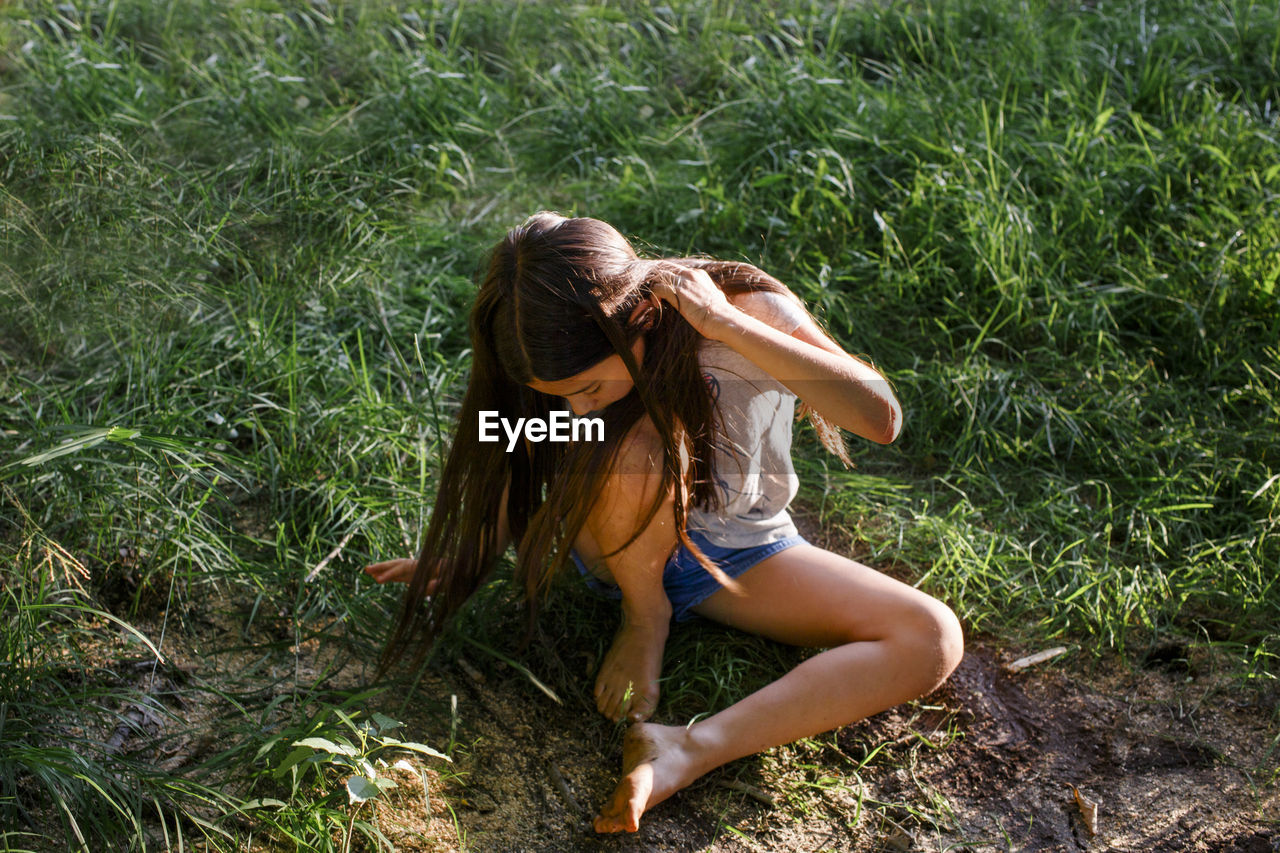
(561, 427)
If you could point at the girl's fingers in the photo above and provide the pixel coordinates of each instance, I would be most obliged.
(385, 565)
(393, 571)
(665, 283)
(691, 292)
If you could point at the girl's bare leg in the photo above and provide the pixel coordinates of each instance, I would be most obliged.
(890, 643)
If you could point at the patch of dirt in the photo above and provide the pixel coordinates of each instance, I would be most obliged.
(987, 763)
(1173, 765)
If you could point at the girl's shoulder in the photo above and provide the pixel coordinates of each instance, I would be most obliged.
(783, 311)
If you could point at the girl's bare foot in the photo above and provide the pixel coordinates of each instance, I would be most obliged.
(657, 761)
(627, 685)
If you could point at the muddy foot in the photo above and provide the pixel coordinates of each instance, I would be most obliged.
(657, 761)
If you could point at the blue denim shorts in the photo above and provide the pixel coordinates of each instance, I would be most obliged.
(685, 581)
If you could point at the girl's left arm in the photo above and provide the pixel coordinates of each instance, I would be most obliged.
(845, 390)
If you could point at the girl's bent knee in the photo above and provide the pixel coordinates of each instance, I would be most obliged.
(933, 638)
(950, 641)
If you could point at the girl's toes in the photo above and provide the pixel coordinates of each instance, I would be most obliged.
(608, 704)
(643, 706)
(641, 710)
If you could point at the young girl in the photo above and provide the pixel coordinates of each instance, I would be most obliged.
(680, 508)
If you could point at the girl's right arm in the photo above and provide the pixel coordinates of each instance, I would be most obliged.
(401, 570)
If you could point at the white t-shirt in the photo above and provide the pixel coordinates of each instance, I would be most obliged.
(754, 473)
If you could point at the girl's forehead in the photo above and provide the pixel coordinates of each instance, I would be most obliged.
(608, 369)
(601, 370)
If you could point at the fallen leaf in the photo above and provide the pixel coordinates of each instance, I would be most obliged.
(1088, 810)
(1039, 657)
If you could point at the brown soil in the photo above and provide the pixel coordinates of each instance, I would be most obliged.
(986, 763)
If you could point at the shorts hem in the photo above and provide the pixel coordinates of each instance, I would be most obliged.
(758, 554)
(685, 582)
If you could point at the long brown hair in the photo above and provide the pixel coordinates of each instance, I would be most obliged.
(557, 299)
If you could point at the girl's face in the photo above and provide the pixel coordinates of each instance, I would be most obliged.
(603, 383)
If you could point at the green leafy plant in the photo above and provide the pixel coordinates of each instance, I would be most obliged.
(362, 759)
(340, 763)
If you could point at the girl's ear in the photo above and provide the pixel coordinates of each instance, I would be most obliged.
(645, 315)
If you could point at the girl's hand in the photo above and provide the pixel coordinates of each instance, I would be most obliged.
(694, 295)
(397, 571)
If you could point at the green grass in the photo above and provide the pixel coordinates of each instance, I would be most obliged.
(247, 232)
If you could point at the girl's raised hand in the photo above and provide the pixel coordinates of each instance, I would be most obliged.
(692, 293)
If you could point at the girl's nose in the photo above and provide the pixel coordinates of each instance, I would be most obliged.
(581, 406)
